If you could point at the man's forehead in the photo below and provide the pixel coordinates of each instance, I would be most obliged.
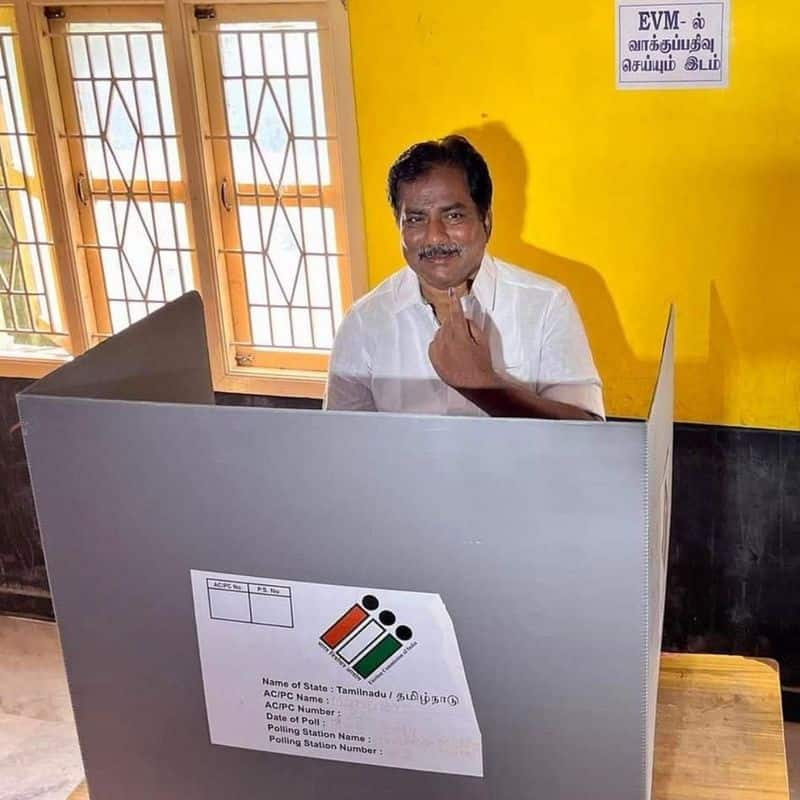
(438, 188)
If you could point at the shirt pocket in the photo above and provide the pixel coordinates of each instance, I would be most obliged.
(515, 363)
(508, 357)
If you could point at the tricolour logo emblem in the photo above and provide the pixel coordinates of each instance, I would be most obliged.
(366, 637)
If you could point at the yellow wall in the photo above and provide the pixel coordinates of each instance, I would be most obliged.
(633, 199)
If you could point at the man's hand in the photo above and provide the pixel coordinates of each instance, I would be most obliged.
(460, 353)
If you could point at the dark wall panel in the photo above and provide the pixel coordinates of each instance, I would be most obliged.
(23, 580)
(262, 401)
(734, 571)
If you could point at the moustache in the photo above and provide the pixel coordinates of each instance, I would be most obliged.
(440, 250)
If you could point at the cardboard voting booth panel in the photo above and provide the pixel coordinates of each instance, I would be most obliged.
(281, 603)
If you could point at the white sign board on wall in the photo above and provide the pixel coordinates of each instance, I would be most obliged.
(673, 45)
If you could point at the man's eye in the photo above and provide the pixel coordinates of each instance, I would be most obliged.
(455, 216)
(413, 220)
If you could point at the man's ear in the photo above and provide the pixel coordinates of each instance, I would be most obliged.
(487, 224)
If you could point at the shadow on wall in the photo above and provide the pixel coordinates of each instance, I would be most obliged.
(627, 378)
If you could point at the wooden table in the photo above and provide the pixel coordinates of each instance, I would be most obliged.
(719, 731)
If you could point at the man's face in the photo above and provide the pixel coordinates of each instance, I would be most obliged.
(443, 233)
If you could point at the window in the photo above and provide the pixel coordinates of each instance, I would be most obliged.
(273, 130)
(30, 315)
(114, 90)
(241, 183)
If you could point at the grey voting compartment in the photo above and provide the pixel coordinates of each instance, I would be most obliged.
(546, 540)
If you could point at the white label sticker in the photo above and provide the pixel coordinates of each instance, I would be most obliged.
(673, 45)
(372, 676)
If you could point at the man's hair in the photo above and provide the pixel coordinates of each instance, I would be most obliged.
(452, 151)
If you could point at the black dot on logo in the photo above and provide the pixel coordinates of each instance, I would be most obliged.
(370, 602)
(387, 618)
(403, 633)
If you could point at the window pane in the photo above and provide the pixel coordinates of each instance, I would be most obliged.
(136, 218)
(274, 112)
(30, 315)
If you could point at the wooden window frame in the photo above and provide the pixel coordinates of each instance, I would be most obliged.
(296, 196)
(106, 189)
(274, 375)
(21, 366)
(228, 373)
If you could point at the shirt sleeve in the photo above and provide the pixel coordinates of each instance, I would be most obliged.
(567, 371)
(349, 373)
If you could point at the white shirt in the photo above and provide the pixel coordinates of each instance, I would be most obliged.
(380, 357)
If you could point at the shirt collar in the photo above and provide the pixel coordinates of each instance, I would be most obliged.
(484, 286)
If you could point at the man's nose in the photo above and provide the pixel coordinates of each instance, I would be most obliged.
(436, 232)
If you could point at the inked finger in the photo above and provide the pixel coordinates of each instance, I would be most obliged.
(457, 316)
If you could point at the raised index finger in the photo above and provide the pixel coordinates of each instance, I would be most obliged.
(457, 316)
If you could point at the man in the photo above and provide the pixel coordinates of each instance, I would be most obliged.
(456, 331)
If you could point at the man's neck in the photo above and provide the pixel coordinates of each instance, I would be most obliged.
(440, 298)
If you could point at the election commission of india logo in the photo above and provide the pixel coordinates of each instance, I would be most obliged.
(366, 637)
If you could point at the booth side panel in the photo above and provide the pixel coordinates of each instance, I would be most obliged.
(162, 358)
(659, 495)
